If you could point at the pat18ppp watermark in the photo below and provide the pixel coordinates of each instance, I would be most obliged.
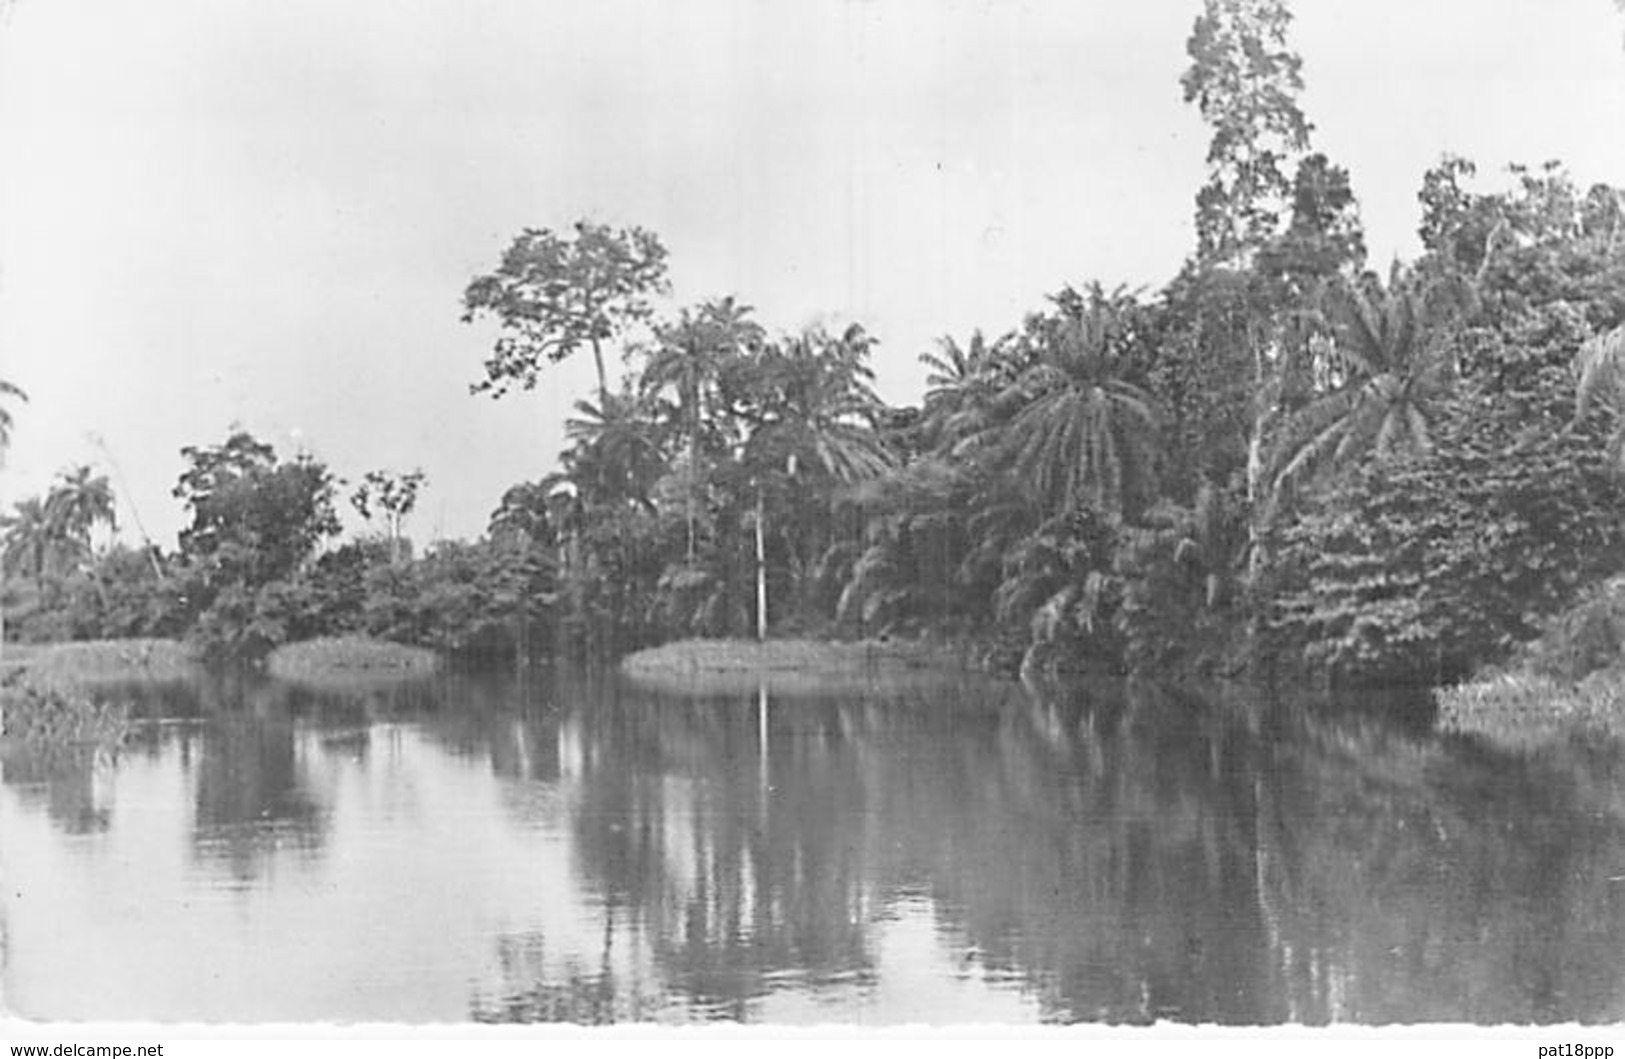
(1576, 1051)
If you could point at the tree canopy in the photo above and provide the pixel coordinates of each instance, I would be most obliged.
(255, 518)
(553, 294)
(1279, 455)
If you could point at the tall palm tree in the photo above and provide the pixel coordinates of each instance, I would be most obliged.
(1600, 366)
(689, 358)
(812, 406)
(1390, 367)
(1084, 434)
(815, 407)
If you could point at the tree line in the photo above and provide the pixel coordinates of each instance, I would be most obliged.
(1284, 456)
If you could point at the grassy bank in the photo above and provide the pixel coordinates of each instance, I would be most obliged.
(52, 696)
(1568, 684)
(92, 661)
(1526, 710)
(349, 658)
(99, 661)
(50, 715)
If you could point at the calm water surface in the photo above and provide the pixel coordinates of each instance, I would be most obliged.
(583, 851)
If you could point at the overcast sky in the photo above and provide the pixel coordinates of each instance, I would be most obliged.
(229, 211)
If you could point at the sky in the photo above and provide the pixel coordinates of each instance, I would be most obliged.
(226, 212)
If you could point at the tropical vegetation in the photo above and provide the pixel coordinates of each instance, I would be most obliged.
(1285, 460)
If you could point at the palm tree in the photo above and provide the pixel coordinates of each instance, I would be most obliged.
(564, 513)
(913, 539)
(1389, 366)
(615, 456)
(689, 358)
(79, 502)
(33, 542)
(523, 516)
(7, 389)
(1059, 578)
(1083, 433)
(813, 406)
(961, 387)
(1207, 541)
(604, 491)
(1600, 366)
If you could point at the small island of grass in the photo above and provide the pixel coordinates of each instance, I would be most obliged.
(343, 657)
(790, 664)
(797, 656)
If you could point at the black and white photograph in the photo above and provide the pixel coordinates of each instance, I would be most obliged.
(526, 516)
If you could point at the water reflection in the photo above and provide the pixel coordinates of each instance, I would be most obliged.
(580, 850)
(71, 785)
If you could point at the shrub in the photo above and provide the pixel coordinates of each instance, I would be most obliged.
(1428, 567)
(54, 715)
(1583, 639)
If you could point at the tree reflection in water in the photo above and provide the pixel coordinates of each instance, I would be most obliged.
(598, 853)
(1124, 854)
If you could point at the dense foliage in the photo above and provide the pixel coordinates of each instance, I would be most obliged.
(238, 597)
(1282, 456)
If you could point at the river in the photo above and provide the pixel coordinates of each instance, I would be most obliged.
(580, 850)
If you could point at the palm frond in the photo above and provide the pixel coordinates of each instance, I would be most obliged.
(8, 389)
(1392, 351)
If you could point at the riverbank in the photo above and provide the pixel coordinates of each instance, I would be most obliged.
(1525, 710)
(101, 660)
(1568, 684)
